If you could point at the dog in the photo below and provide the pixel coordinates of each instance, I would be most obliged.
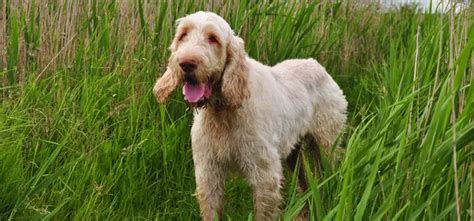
(248, 116)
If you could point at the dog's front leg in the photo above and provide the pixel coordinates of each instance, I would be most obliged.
(265, 179)
(210, 179)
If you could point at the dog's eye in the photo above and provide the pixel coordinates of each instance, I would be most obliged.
(181, 37)
(212, 39)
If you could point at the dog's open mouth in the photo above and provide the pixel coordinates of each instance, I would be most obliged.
(196, 93)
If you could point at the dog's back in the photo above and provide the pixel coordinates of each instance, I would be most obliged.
(327, 98)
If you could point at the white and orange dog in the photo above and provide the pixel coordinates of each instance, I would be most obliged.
(248, 117)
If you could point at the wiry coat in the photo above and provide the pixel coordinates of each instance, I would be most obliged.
(261, 114)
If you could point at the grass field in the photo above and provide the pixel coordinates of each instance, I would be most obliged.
(82, 137)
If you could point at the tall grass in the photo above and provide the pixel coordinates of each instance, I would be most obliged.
(81, 135)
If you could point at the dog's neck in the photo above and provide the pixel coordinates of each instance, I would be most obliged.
(220, 118)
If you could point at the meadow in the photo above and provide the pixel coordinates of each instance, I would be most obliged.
(83, 138)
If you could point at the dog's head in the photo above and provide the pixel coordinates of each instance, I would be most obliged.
(209, 61)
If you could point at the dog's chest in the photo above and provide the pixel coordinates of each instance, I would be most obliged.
(225, 137)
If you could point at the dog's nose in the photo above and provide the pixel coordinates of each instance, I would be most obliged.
(188, 66)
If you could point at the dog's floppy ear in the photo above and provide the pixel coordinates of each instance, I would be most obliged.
(165, 85)
(234, 79)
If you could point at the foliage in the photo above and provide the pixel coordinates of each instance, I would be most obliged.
(81, 134)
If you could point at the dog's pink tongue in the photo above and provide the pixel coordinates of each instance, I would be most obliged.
(193, 93)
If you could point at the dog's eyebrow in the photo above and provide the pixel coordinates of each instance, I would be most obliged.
(183, 29)
(211, 29)
(186, 25)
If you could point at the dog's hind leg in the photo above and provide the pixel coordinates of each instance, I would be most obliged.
(296, 165)
(328, 123)
(315, 151)
(293, 163)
